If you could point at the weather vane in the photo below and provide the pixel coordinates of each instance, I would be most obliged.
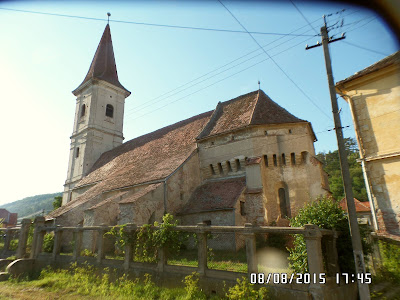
(108, 18)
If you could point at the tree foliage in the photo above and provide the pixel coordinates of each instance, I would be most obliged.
(331, 165)
(57, 202)
(327, 214)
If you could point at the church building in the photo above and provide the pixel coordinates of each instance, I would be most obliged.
(247, 161)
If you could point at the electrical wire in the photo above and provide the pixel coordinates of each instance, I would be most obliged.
(304, 17)
(364, 48)
(277, 65)
(148, 24)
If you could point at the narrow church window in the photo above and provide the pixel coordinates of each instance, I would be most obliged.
(275, 161)
(283, 203)
(212, 170)
(83, 110)
(242, 211)
(229, 166)
(220, 170)
(77, 152)
(290, 130)
(293, 158)
(238, 167)
(283, 159)
(109, 111)
(266, 160)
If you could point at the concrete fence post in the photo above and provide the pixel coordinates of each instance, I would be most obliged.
(78, 234)
(202, 249)
(38, 235)
(129, 229)
(250, 237)
(57, 242)
(313, 238)
(101, 243)
(7, 241)
(332, 262)
(162, 260)
(23, 238)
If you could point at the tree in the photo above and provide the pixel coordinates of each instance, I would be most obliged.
(57, 202)
(331, 165)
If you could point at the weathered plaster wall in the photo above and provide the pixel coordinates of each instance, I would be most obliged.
(375, 103)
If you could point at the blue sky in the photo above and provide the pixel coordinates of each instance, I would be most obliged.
(45, 57)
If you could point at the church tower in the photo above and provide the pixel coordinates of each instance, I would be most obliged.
(99, 114)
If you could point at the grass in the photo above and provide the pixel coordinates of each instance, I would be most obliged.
(84, 283)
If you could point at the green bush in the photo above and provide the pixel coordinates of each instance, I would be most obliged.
(48, 243)
(245, 290)
(390, 269)
(327, 214)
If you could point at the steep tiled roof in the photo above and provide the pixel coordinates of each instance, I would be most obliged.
(132, 198)
(116, 197)
(254, 108)
(103, 65)
(147, 158)
(387, 61)
(215, 195)
(360, 206)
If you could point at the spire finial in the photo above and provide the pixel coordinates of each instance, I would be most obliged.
(108, 18)
(259, 85)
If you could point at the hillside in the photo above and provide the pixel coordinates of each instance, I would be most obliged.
(31, 206)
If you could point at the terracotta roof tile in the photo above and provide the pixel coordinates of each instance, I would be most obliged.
(215, 195)
(116, 198)
(254, 108)
(135, 196)
(389, 60)
(103, 65)
(147, 158)
(360, 206)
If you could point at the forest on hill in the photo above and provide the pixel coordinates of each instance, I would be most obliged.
(31, 206)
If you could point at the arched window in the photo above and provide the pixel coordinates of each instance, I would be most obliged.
(109, 111)
(77, 152)
(283, 203)
(83, 110)
(293, 158)
(238, 166)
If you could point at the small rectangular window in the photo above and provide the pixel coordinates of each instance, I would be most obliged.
(77, 152)
(212, 169)
(275, 161)
(293, 158)
(242, 211)
(266, 160)
(207, 222)
(220, 170)
(283, 159)
(229, 166)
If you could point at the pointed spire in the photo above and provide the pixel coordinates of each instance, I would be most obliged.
(103, 65)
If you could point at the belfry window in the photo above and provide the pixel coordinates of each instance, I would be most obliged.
(109, 111)
(83, 110)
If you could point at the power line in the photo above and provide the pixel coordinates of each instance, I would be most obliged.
(152, 102)
(295, 84)
(214, 83)
(148, 24)
(304, 17)
(364, 48)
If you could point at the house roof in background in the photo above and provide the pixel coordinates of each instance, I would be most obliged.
(387, 61)
(360, 206)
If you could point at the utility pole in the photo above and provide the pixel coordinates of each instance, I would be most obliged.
(363, 288)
